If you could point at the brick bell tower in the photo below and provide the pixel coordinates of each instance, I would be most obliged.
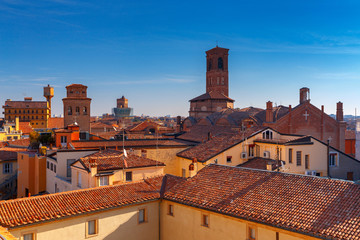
(217, 74)
(77, 107)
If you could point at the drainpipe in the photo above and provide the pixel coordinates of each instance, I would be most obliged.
(328, 158)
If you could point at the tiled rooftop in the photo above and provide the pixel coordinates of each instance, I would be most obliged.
(216, 145)
(111, 160)
(321, 207)
(259, 163)
(131, 143)
(211, 95)
(26, 104)
(23, 211)
(56, 122)
(8, 155)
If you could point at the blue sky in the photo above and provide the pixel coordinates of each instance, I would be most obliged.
(153, 52)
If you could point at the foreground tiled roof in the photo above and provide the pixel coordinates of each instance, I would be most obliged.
(111, 160)
(216, 145)
(320, 207)
(24, 211)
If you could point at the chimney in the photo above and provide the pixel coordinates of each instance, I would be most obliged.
(93, 167)
(269, 112)
(339, 112)
(28, 99)
(304, 95)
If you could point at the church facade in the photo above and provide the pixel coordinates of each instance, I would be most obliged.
(217, 85)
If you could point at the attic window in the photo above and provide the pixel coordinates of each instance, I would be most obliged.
(267, 134)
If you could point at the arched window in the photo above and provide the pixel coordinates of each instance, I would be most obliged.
(84, 110)
(77, 109)
(220, 63)
(268, 134)
(69, 111)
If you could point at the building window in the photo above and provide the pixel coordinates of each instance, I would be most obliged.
(333, 159)
(298, 158)
(220, 63)
(268, 134)
(142, 215)
(77, 110)
(144, 153)
(68, 167)
(251, 150)
(183, 172)
(63, 139)
(228, 159)
(290, 155)
(171, 210)
(128, 176)
(29, 236)
(47, 165)
(307, 161)
(69, 111)
(91, 228)
(51, 166)
(7, 168)
(252, 233)
(103, 180)
(84, 111)
(79, 179)
(54, 168)
(205, 220)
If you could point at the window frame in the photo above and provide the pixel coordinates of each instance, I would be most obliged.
(205, 220)
(96, 228)
(170, 209)
(144, 218)
(28, 232)
(307, 161)
(249, 232)
(126, 176)
(298, 158)
(290, 155)
(336, 160)
(9, 169)
(104, 177)
(228, 159)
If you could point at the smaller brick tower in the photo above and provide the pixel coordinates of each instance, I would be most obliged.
(217, 74)
(77, 107)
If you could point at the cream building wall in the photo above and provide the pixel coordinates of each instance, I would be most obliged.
(119, 223)
(186, 223)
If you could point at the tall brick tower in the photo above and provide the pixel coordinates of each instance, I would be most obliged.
(216, 97)
(77, 107)
(217, 74)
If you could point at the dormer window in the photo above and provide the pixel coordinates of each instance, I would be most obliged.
(267, 134)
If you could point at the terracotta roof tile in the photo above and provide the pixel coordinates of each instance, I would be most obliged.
(26, 104)
(199, 133)
(56, 122)
(215, 146)
(111, 160)
(8, 155)
(212, 95)
(25, 127)
(24, 211)
(25, 142)
(130, 143)
(259, 163)
(322, 207)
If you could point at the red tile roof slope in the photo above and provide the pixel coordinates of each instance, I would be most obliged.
(8, 155)
(321, 207)
(111, 160)
(131, 143)
(199, 133)
(24, 211)
(259, 163)
(25, 127)
(211, 95)
(56, 122)
(216, 145)
(25, 142)
(26, 104)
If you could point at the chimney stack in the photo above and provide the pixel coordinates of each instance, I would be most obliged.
(304, 95)
(269, 112)
(339, 112)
